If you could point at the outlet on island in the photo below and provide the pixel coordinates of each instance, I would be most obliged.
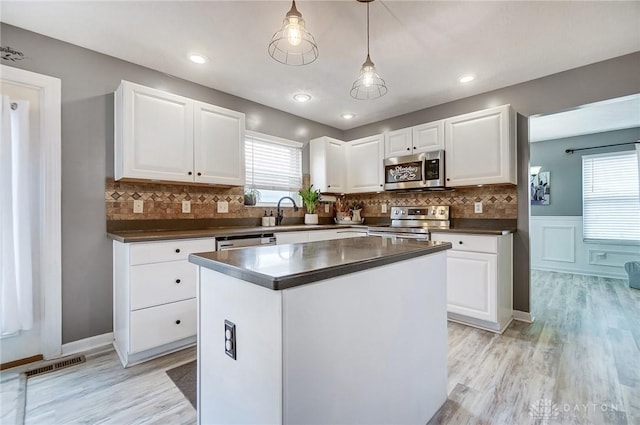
(223, 207)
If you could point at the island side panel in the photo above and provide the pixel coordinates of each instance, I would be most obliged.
(248, 389)
(367, 347)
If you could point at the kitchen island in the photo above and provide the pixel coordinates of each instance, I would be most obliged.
(341, 331)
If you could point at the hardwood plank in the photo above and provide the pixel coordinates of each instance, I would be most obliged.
(578, 361)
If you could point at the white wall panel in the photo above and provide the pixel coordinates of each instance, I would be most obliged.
(557, 244)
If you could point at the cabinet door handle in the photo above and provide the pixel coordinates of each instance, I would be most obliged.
(199, 174)
(408, 149)
(460, 242)
(177, 280)
(177, 250)
(190, 173)
(414, 147)
(328, 185)
(178, 322)
(448, 179)
(380, 185)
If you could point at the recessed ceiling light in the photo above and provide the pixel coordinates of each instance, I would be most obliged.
(348, 116)
(301, 97)
(467, 78)
(199, 59)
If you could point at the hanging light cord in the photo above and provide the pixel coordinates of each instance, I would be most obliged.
(367, 29)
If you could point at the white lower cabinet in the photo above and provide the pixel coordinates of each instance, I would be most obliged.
(479, 279)
(154, 297)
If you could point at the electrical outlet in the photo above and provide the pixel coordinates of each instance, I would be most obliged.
(384, 208)
(223, 207)
(138, 206)
(230, 339)
(186, 207)
(326, 208)
(477, 207)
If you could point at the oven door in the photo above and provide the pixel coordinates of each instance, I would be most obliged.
(390, 235)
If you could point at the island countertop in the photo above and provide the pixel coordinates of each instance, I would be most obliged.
(281, 267)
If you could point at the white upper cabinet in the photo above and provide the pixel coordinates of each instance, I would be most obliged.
(327, 165)
(420, 138)
(162, 136)
(428, 137)
(480, 148)
(218, 145)
(364, 165)
(154, 134)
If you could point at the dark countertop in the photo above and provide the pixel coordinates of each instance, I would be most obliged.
(280, 267)
(475, 230)
(128, 236)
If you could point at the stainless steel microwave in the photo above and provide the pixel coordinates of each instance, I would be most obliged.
(420, 171)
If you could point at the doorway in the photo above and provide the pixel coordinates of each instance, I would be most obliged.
(43, 94)
(583, 226)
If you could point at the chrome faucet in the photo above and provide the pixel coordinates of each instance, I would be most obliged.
(279, 214)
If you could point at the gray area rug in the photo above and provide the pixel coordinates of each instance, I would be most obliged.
(185, 378)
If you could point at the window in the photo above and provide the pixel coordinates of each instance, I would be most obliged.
(611, 197)
(273, 166)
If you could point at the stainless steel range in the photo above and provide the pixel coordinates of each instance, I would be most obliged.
(413, 222)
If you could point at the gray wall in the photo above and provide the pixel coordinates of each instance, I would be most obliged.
(89, 79)
(603, 80)
(566, 169)
(88, 82)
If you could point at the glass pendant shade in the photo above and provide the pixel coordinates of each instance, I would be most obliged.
(369, 85)
(293, 44)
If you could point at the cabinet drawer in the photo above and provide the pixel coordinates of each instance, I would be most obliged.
(154, 326)
(463, 242)
(179, 249)
(162, 283)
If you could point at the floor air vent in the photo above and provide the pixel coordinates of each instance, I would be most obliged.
(56, 365)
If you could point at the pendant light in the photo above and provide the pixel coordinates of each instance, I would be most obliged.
(369, 85)
(293, 44)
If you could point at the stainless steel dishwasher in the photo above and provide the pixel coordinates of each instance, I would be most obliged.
(227, 243)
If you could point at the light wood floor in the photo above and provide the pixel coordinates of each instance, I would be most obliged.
(578, 363)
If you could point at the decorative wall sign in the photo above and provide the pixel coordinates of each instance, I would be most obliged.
(540, 188)
(9, 54)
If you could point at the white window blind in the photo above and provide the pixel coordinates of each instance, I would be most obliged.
(611, 197)
(272, 163)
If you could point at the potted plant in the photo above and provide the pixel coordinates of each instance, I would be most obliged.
(251, 196)
(310, 198)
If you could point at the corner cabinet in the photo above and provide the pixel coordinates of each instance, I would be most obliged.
(154, 297)
(162, 136)
(479, 279)
(420, 138)
(328, 165)
(365, 172)
(480, 148)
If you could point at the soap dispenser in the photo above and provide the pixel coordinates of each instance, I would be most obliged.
(272, 219)
(265, 219)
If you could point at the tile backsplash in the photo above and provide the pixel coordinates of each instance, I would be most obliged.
(164, 201)
(498, 201)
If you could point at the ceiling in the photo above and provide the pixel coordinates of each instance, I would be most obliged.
(608, 115)
(420, 48)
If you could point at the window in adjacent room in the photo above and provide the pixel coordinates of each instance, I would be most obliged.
(611, 197)
(274, 167)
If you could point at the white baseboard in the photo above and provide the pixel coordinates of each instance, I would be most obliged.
(87, 344)
(523, 316)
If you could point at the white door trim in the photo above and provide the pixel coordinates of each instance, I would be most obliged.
(50, 220)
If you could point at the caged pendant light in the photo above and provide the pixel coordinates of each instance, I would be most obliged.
(369, 85)
(293, 44)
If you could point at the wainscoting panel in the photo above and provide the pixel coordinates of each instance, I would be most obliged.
(557, 245)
